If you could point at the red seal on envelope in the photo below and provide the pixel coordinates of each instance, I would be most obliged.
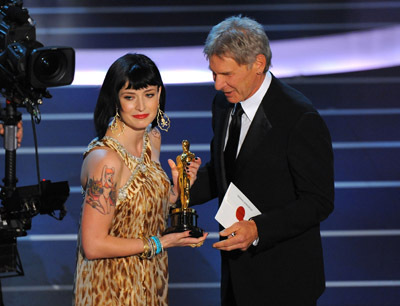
(240, 212)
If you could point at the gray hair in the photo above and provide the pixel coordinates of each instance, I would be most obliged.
(241, 38)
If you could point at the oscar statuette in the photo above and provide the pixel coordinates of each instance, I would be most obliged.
(184, 218)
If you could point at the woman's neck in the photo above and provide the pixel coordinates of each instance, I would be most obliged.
(131, 140)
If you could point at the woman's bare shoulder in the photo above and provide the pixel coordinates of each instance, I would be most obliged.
(98, 160)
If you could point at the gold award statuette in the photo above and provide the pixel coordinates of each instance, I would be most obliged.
(184, 218)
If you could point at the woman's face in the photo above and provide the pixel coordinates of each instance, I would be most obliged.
(139, 107)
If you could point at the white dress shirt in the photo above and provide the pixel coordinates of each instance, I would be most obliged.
(250, 107)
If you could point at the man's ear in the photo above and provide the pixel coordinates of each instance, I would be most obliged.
(260, 63)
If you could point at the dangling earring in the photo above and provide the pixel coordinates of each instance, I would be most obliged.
(114, 124)
(163, 120)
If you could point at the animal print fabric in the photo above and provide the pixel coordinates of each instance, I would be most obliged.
(141, 210)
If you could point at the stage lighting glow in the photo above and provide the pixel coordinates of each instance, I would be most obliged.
(353, 51)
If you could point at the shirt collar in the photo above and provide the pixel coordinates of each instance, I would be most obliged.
(251, 104)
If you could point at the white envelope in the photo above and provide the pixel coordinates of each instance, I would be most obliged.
(235, 207)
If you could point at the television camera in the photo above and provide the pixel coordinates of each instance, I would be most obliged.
(27, 69)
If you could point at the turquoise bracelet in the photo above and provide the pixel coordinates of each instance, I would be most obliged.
(158, 244)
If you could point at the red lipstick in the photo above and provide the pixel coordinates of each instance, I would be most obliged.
(140, 116)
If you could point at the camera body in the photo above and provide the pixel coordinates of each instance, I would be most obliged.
(29, 201)
(27, 67)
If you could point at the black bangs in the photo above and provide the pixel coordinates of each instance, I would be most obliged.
(140, 77)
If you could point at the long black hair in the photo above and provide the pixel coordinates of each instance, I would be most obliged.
(137, 69)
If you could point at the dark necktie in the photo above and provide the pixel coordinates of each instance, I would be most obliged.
(233, 142)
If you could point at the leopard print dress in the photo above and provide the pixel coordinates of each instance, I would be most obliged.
(141, 209)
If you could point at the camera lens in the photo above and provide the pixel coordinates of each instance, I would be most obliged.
(50, 66)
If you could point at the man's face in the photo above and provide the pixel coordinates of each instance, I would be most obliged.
(237, 82)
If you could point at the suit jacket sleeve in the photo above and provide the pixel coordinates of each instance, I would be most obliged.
(205, 187)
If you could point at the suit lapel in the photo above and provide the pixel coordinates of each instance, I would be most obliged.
(258, 130)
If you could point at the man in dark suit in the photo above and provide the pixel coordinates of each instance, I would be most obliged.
(284, 165)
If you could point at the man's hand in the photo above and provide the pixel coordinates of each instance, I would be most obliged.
(20, 133)
(240, 235)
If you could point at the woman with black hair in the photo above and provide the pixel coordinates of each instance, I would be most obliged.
(121, 256)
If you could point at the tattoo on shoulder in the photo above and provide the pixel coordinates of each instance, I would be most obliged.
(101, 193)
(156, 133)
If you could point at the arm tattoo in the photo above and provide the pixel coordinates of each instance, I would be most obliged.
(102, 194)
